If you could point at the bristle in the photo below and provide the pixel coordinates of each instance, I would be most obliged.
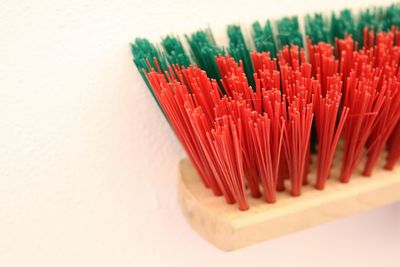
(173, 98)
(203, 129)
(239, 51)
(328, 98)
(289, 32)
(246, 118)
(267, 133)
(233, 78)
(263, 38)
(203, 50)
(317, 29)
(297, 86)
(260, 129)
(144, 53)
(326, 116)
(385, 57)
(236, 86)
(226, 138)
(343, 24)
(393, 148)
(365, 99)
(252, 172)
(176, 54)
(147, 57)
(391, 17)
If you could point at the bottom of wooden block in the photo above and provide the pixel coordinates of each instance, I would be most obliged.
(228, 228)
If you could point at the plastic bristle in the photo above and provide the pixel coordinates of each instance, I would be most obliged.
(263, 38)
(317, 29)
(176, 54)
(239, 51)
(391, 17)
(251, 120)
(393, 146)
(343, 24)
(146, 58)
(203, 50)
(289, 32)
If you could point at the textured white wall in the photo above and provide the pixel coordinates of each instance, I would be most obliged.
(88, 166)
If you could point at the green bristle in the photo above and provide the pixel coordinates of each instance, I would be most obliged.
(204, 49)
(391, 17)
(317, 28)
(367, 19)
(176, 54)
(239, 51)
(343, 24)
(263, 38)
(289, 32)
(143, 50)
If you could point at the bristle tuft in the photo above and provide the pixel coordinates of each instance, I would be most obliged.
(251, 120)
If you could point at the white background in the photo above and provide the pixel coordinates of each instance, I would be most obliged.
(88, 165)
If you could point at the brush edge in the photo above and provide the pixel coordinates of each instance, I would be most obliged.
(229, 229)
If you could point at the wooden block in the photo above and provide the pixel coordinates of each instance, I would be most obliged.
(228, 228)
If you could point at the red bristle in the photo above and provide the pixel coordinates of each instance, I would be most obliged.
(393, 148)
(293, 57)
(235, 140)
(267, 86)
(234, 79)
(226, 140)
(323, 62)
(307, 166)
(368, 38)
(251, 169)
(235, 84)
(260, 134)
(266, 132)
(172, 97)
(239, 110)
(284, 56)
(385, 55)
(385, 123)
(262, 61)
(175, 103)
(297, 85)
(396, 33)
(365, 100)
(157, 65)
(202, 128)
(297, 138)
(263, 99)
(265, 72)
(204, 91)
(283, 173)
(274, 106)
(328, 98)
(225, 69)
(345, 49)
(326, 115)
